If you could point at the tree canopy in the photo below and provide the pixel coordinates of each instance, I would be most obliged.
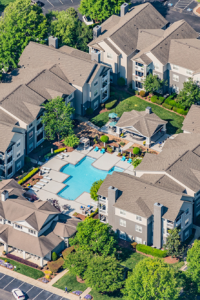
(100, 10)
(104, 274)
(190, 93)
(57, 119)
(193, 270)
(71, 141)
(173, 243)
(94, 236)
(152, 83)
(94, 189)
(21, 23)
(152, 279)
(77, 262)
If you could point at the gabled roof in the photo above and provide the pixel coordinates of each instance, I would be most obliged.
(147, 37)
(142, 121)
(67, 228)
(191, 122)
(123, 31)
(7, 132)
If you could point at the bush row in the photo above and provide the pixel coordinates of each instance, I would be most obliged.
(29, 175)
(110, 104)
(54, 266)
(67, 251)
(48, 155)
(21, 260)
(158, 100)
(151, 251)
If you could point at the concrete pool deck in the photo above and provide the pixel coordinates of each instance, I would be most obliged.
(107, 161)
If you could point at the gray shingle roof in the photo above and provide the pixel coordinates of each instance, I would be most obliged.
(142, 121)
(191, 122)
(147, 37)
(7, 131)
(139, 196)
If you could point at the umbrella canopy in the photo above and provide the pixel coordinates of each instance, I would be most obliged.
(112, 115)
(112, 124)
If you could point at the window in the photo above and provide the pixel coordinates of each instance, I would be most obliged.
(139, 64)
(122, 223)
(30, 125)
(8, 222)
(95, 93)
(70, 97)
(40, 136)
(30, 135)
(10, 171)
(9, 159)
(122, 235)
(187, 222)
(138, 228)
(19, 165)
(187, 234)
(138, 240)
(96, 104)
(175, 77)
(187, 211)
(198, 213)
(32, 231)
(157, 66)
(109, 55)
(18, 154)
(18, 143)
(30, 146)
(96, 82)
(122, 212)
(138, 218)
(175, 67)
(189, 72)
(18, 226)
(111, 78)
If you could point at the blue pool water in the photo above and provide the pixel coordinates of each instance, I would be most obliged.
(82, 177)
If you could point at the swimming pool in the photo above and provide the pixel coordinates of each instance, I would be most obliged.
(82, 176)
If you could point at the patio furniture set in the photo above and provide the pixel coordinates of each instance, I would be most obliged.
(86, 210)
(96, 149)
(129, 161)
(39, 185)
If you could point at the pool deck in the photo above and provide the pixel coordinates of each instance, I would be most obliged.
(106, 162)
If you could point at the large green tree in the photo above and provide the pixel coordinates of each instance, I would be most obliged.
(57, 119)
(152, 83)
(77, 262)
(152, 279)
(69, 30)
(104, 274)
(173, 243)
(94, 189)
(20, 24)
(190, 93)
(100, 10)
(94, 236)
(193, 265)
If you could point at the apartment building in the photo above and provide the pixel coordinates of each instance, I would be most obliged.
(115, 41)
(32, 229)
(142, 211)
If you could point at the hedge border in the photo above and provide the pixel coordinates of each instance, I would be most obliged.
(29, 175)
(151, 251)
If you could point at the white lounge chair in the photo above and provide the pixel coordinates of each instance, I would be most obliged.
(60, 156)
(37, 186)
(34, 189)
(46, 171)
(65, 154)
(43, 180)
(90, 148)
(47, 177)
(46, 168)
(40, 183)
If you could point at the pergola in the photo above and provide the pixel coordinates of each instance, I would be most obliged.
(85, 142)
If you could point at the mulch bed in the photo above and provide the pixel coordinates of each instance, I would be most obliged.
(79, 216)
(168, 259)
(33, 180)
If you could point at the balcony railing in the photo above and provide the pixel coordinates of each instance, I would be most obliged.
(104, 78)
(9, 164)
(39, 142)
(171, 225)
(40, 130)
(104, 89)
(178, 222)
(2, 167)
(9, 153)
(2, 156)
(138, 68)
(102, 200)
(138, 78)
(38, 121)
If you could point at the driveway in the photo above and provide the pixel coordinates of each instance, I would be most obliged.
(8, 283)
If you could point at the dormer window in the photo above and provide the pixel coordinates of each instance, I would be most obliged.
(32, 231)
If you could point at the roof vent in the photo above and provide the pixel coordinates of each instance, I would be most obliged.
(4, 195)
(53, 41)
(124, 9)
(148, 110)
(96, 32)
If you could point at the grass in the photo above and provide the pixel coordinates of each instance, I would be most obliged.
(25, 270)
(129, 103)
(129, 259)
(69, 281)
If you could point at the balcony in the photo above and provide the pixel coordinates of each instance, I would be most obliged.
(9, 153)
(2, 156)
(103, 89)
(103, 219)
(9, 164)
(105, 78)
(102, 200)
(139, 78)
(170, 225)
(138, 68)
(2, 167)
(39, 121)
(178, 223)
(40, 130)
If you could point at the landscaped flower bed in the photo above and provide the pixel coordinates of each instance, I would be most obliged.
(88, 297)
(78, 293)
(6, 264)
(43, 279)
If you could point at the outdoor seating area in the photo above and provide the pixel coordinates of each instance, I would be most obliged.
(86, 210)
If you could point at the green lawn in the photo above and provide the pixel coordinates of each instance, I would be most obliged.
(129, 259)
(129, 103)
(69, 281)
(25, 270)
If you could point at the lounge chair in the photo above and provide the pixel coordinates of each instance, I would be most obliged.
(102, 151)
(65, 154)
(34, 189)
(37, 186)
(46, 171)
(41, 183)
(45, 168)
(123, 158)
(96, 149)
(60, 156)
(43, 180)
(130, 161)
(47, 177)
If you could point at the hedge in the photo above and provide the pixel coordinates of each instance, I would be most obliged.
(54, 266)
(167, 106)
(151, 251)
(67, 251)
(158, 100)
(121, 81)
(21, 260)
(154, 99)
(35, 170)
(110, 105)
(59, 150)
(182, 111)
(89, 111)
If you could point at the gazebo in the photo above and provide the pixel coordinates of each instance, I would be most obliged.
(84, 142)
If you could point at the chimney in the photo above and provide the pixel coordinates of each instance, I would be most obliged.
(112, 198)
(95, 55)
(53, 41)
(157, 228)
(4, 195)
(148, 110)
(96, 32)
(124, 9)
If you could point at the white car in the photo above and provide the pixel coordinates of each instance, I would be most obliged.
(87, 20)
(18, 294)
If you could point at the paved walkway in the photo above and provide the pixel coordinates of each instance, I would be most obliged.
(55, 279)
(85, 292)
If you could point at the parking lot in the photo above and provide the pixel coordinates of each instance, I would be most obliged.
(8, 283)
(59, 4)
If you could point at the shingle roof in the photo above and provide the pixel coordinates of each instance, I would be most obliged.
(144, 122)
(147, 37)
(191, 122)
(66, 229)
(6, 118)
(7, 131)
(75, 52)
(112, 46)
(123, 31)
(139, 196)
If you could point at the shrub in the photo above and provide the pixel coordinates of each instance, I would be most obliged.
(59, 150)
(67, 251)
(167, 106)
(54, 266)
(30, 174)
(47, 276)
(48, 155)
(112, 93)
(134, 244)
(27, 160)
(122, 143)
(71, 141)
(182, 111)
(104, 138)
(21, 260)
(151, 251)
(154, 99)
(162, 99)
(136, 150)
(121, 81)
(136, 162)
(137, 92)
(142, 93)
(109, 149)
(89, 111)
(54, 256)
(110, 104)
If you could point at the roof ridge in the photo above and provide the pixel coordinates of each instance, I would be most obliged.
(178, 41)
(178, 159)
(11, 93)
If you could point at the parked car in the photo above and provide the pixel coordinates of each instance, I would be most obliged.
(18, 294)
(87, 20)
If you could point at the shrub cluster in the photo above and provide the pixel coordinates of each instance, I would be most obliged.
(180, 111)
(136, 150)
(151, 251)
(158, 100)
(142, 93)
(89, 111)
(167, 106)
(29, 175)
(59, 150)
(54, 266)
(21, 260)
(109, 149)
(110, 104)
(121, 81)
(67, 251)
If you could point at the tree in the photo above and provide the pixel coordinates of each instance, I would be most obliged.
(190, 93)
(173, 243)
(69, 30)
(193, 266)
(20, 24)
(77, 262)
(136, 150)
(152, 83)
(104, 274)
(104, 139)
(54, 256)
(96, 237)
(94, 189)
(57, 119)
(71, 141)
(152, 279)
(100, 10)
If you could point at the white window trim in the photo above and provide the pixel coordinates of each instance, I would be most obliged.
(138, 228)
(138, 218)
(122, 212)
(175, 77)
(175, 67)
(96, 104)
(18, 154)
(122, 223)
(96, 82)
(109, 57)
(18, 142)
(157, 66)
(31, 135)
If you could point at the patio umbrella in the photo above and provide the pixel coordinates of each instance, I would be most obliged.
(112, 124)
(112, 115)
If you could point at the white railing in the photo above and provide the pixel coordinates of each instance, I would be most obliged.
(104, 89)
(138, 68)
(9, 164)
(171, 225)
(105, 98)
(10, 175)
(2, 156)
(104, 78)
(138, 78)
(9, 153)
(101, 199)
(2, 167)
(39, 142)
